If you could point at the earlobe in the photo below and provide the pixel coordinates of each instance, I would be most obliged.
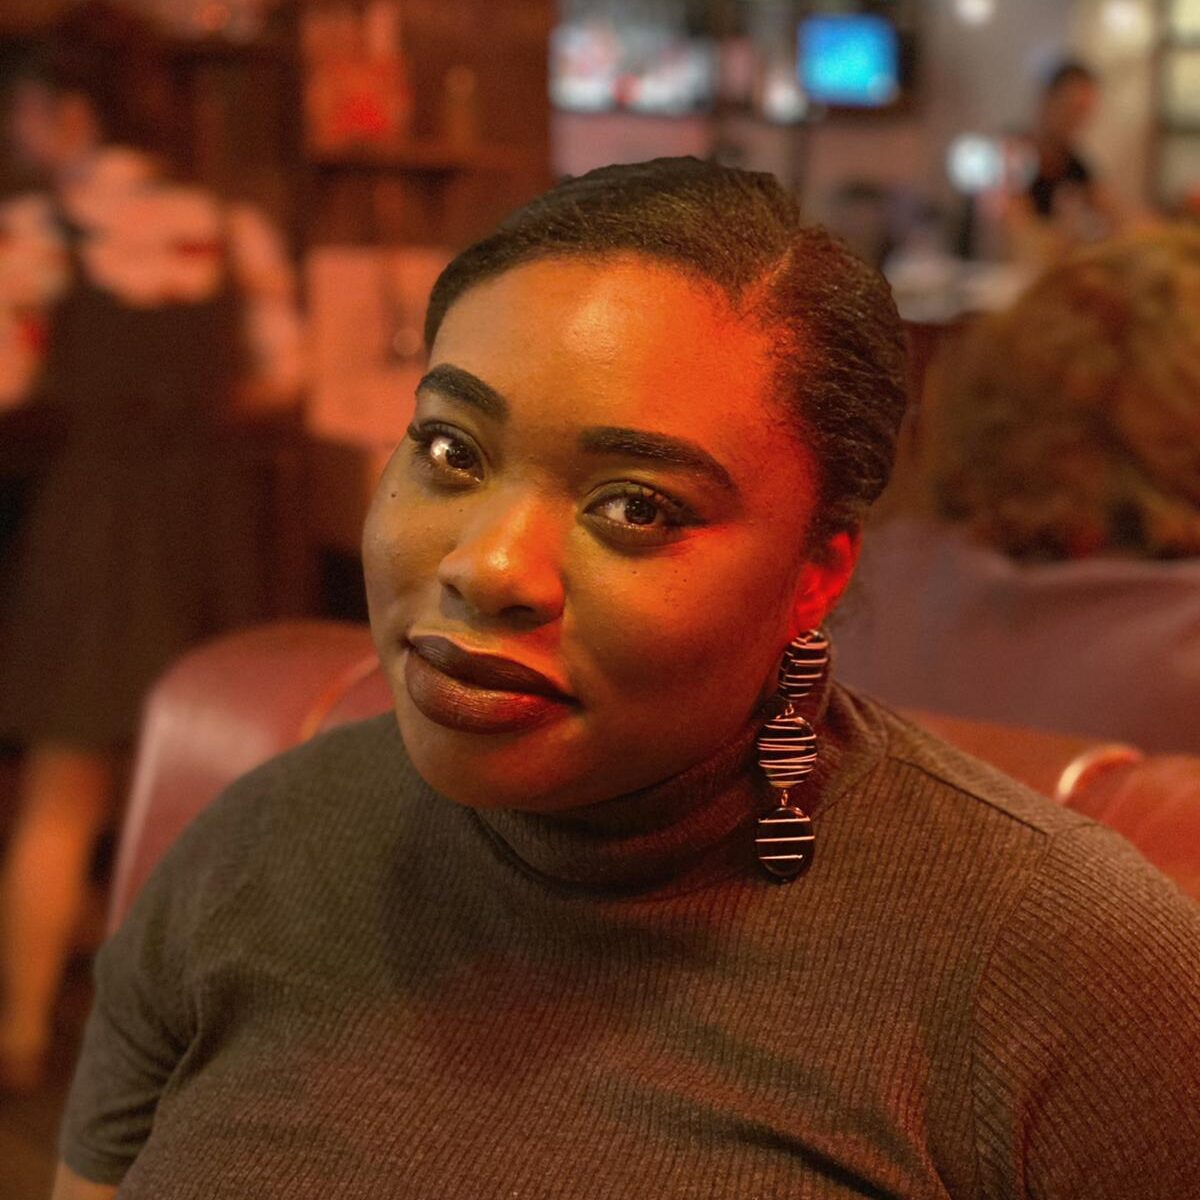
(823, 580)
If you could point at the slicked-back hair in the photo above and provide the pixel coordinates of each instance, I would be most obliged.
(838, 342)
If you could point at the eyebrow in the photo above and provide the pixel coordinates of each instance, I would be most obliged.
(457, 384)
(658, 448)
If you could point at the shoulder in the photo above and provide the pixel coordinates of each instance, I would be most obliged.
(347, 787)
(30, 213)
(925, 771)
(347, 768)
(1078, 167)
(330, 802)
(1084, 913)
(1051, 856)
(1077, 927)
(927, 821)
(33, 259)
(1086, 1045)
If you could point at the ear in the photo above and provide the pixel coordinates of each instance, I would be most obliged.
(823, 580)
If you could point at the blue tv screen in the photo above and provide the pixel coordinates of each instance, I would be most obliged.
(850, 61)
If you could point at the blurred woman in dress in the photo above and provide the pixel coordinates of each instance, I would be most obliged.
(146, 312)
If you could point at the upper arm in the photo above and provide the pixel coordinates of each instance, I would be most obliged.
(69, 1186)
(1087, 1058)
(142, 1018)
(34, 272)
(134, 1038)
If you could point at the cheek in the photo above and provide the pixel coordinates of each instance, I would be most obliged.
(402, 543)
(704, 625)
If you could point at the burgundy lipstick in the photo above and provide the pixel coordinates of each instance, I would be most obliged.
(477, 693)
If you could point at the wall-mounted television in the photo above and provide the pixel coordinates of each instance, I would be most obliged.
(601, 65)
(851, 60)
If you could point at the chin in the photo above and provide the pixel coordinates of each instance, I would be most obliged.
(517, 771)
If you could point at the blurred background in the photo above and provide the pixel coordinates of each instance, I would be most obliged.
(378, 135)
(305, 169)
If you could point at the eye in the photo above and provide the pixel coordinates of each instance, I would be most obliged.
(446, 453)
(635, 514)
(631, 510)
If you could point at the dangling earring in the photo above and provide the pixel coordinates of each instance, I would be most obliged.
(787, 753)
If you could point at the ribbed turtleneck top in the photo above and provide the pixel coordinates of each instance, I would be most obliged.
(339, 983)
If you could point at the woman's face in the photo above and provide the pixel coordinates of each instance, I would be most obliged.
(585, 559)
(50, 129)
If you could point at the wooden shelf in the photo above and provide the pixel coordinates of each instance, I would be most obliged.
(217, 49)
(419, 156)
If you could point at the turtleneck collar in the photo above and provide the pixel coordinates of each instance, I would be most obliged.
(677, 835)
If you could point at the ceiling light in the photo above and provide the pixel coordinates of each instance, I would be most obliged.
(975, 12)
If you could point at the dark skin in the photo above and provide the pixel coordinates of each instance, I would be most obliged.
(647, 579)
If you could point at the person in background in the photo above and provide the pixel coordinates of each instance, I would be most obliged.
(1057, 583)
(147, 313)
(1056, 201)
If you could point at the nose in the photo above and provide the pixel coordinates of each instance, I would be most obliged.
(507, 561)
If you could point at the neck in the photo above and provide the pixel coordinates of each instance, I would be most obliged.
(75, 167)
(682, 833)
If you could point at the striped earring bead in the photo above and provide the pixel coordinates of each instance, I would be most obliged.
(787, 753)
(804, 664)
(784, 841)
(787, 749)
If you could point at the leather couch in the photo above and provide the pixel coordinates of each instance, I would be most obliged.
(231, 704)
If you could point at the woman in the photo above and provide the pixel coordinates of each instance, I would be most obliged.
(145, 311)
(1063, 453)
(1059, 202)
(526, 936)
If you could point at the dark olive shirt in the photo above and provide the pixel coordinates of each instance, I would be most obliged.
(341, 984)
(1056, 174)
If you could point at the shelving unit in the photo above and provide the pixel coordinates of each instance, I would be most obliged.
(1175, 161)
(249, 134)
(243, 131)
(436, 184)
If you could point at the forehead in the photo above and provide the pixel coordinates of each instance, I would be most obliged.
(622, 341)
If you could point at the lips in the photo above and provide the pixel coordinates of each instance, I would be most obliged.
(478, 693)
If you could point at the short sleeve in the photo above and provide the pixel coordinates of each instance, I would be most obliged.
(34, 272)
(1087, 1056)
(144, 1014)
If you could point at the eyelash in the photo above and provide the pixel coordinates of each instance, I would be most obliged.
(423, 437)
(677, 515)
